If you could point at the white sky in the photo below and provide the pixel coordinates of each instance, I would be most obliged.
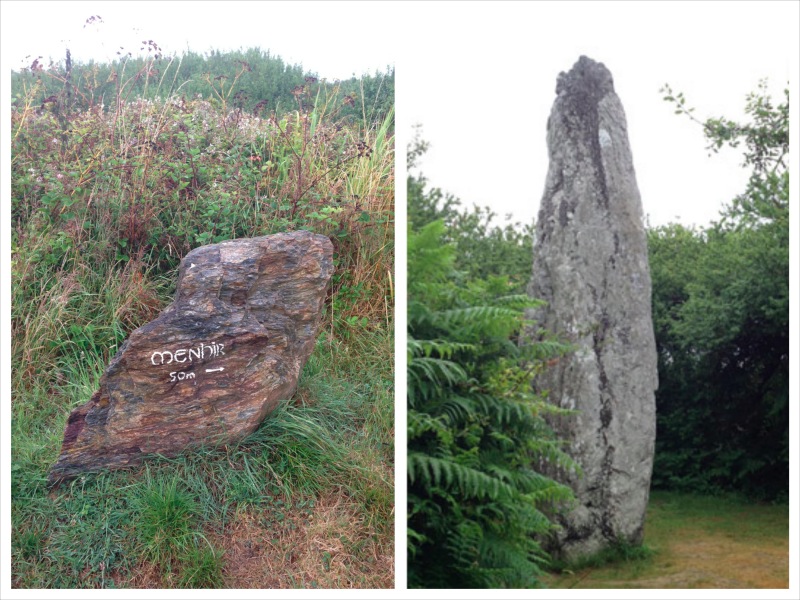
(481, 81)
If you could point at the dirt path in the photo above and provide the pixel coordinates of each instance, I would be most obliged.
(736, 547)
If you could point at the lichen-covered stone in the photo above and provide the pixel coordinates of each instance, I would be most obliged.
(590, 265)
(214, 363)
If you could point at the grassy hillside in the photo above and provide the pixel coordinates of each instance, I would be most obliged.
(105, 202)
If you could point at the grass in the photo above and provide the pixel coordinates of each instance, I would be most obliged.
(166, 513)
(202, 568)
(621, 553)
(100, 220)
(694, 542)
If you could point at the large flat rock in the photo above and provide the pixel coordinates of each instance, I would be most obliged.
(214, 363)
(591, 266)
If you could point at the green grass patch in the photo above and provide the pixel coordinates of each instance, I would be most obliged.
(202, 568)
(729, 515)
(619, 553)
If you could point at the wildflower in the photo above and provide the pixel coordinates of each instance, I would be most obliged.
(59, 176)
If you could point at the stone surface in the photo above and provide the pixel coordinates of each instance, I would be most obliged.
(590, 265)
(214, 363)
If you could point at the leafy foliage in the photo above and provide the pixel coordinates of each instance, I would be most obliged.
(721, 313)
(475, 426)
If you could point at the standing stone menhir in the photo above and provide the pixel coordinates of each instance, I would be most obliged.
(214, 363)
(590, 265)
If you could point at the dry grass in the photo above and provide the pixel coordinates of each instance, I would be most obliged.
(328, 546)
(700, 543)
(696, 560)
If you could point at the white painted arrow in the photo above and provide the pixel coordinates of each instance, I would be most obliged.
(213, 370)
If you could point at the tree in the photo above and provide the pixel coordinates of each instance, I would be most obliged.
(721, 313)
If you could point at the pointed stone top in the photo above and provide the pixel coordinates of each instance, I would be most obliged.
(586, 78)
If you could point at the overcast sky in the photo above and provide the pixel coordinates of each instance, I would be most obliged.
(481, 81)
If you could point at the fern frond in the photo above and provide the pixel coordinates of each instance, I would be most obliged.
(479, 316)
(437, 371)
(441, 348)
(469, 482)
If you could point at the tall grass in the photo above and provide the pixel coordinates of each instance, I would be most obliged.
(105, 202)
